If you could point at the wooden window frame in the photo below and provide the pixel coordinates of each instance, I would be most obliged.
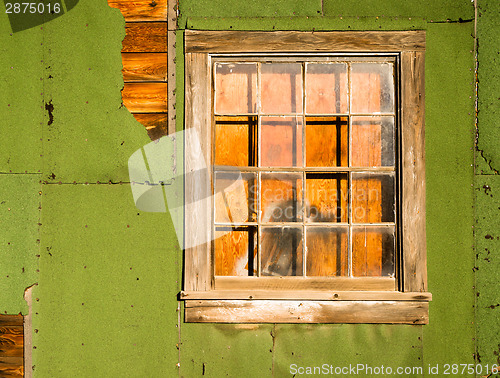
(309, 300)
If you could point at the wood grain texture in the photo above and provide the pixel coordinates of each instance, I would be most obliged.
(141, 10)
(11, 367)
(172, 14)
(145, 97)
(296, 283)
(261, 311)
(306, 295)
(144, 67)
(145, 37)
(198, 218)
(285, 41)
(11, 341)
(413, 147)
(155, 123)
(11, 320)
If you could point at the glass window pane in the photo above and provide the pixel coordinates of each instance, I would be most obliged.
(372, 251)
(235, 197)
(372, 197)
(281, 251)
(326, 141)
(235, 88)
(327, 250)
(281, 197)
(281, 142)
(372, 88)
(326, 197)
(281, 88)
(235, 251)
(326, 88)
(235, 139)
(372, 142)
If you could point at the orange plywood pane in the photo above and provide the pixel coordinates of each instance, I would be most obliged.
(235, 139)
(327, 250)
(372, 88)
(281, 197)
(372, 142)
(281, 91)
(372, 251)
(281, 142)
(326, 141)
(326, 88)
(372, 198)
(326, 197)
(235, 88)
(235, 251)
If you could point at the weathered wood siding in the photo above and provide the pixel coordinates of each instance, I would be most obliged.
(145, 62)
(11, 346)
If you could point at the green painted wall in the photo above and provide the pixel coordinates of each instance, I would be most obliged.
(107, 275)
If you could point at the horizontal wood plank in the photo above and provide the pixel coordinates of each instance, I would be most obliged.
(141, 10)
(11, 320)
(11, 341)
(145, 37)
(298, 283)
(394, 312)
(145, 97)
(286, 41)
(156, 123)
(144, 66)
(11, 367)
(306, 295)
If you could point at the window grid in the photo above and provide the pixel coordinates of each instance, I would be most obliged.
(348, 169)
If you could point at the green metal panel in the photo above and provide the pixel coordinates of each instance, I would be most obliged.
(21, 98)
(106, 303)
(488, 156)
(226, 350)
(19, 238)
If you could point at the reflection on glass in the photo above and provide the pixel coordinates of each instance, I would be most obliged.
(372, 197)
(235, 251)
(281, 142)
(281, 251)
(372, 88)
(326, 88)
(326, 197)
(235, 139)
(326, 251)
(235, 197)
(281, 197)
(372, 142)
(281, 88)
(326, 141)
(372, 251)
(235, 88)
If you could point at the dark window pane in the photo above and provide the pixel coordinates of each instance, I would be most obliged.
(235, 141)
(326, 197)
(326, 141)
(235, 251)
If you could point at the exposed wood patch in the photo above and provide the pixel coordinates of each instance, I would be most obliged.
(145, 37)
(11, 346)
(141, 10)
(155, 123)
(144, 67)
(236, 311)
(235, 41)
(145, 97)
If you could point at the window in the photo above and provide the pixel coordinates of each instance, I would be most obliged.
(323, 134)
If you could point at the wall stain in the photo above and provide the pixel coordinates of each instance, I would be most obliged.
(50, 109)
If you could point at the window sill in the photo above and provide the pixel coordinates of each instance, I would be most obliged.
(306, 307)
